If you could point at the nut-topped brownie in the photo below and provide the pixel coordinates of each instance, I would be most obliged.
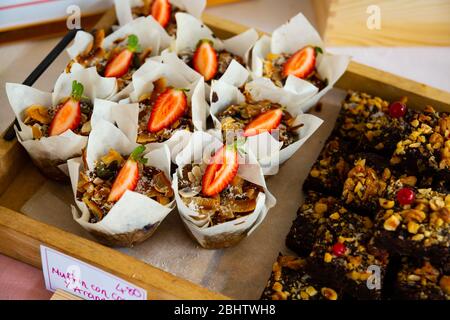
(426, 147)
(289, 281)
(418, 224)
(317, 210)
(343, 255)
(372, 124)
(369, 181)
(420, 280)
(330, 169)
(366, 181)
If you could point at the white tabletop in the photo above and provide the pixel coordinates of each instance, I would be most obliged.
(427, 65)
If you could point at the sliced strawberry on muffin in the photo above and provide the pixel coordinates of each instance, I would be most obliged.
(205, 60)
(164, 111)
(71, 113)
(124, 56)
(302, 64)
(209, 62)
(168, 108)
(113, 175)
(252, 118)
(215, 189)
(120, 64)
(163, 11)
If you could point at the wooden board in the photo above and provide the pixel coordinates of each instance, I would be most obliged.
(403, 22)
(21, 236)
(63, 295)
(220, 2)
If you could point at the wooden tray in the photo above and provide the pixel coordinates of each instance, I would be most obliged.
(247, 265)
(57, 26)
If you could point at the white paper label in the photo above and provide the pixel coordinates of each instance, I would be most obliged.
(83, 280)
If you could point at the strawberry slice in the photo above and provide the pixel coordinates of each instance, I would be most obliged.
(161, 11)
(68, 116)
(205, 59)
(120, 64)
(128, 176)
(266, 121)
(221, 171)
(301, 64)
(170, 105)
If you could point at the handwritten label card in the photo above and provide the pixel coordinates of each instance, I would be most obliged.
(83, 280)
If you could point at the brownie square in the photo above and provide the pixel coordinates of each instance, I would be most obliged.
(289, 281)
(344, 256)
(371, 181)
(364, 121)
(419, 229)
(366, 182)
(426, 145)
(314, 212)
(330, 169)
(420, 280)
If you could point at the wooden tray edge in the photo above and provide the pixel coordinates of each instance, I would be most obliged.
(27, 235)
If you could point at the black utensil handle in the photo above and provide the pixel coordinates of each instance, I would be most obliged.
(40, 69)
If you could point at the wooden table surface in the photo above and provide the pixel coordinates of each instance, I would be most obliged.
(427, 65)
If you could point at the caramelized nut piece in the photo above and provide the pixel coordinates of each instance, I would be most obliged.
(386, 204)
(327, 257)
(413, 227)
(37, 113)
(112, 156)
(329, 293)
(311, 291)
(392, 223)
(444, 214)
(315, 173)
(409, 181)
(320, 208)
(335, 216)
(414, 214)
(444, 283)
(277, 287)
(413, 277)
(37, 132)
(436, 203)
(304, 295)
(86, 128)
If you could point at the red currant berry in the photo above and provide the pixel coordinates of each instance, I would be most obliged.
(405, 196)
(397, 109)
(339, 249)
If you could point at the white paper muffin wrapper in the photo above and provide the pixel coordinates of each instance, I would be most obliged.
(191, 30)
(142, 27)
(145, 28)
(67, 145)
(264, 146)
(133, 211)
(289, 38)
(142, 83)
(125, 16)
(198, 149)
